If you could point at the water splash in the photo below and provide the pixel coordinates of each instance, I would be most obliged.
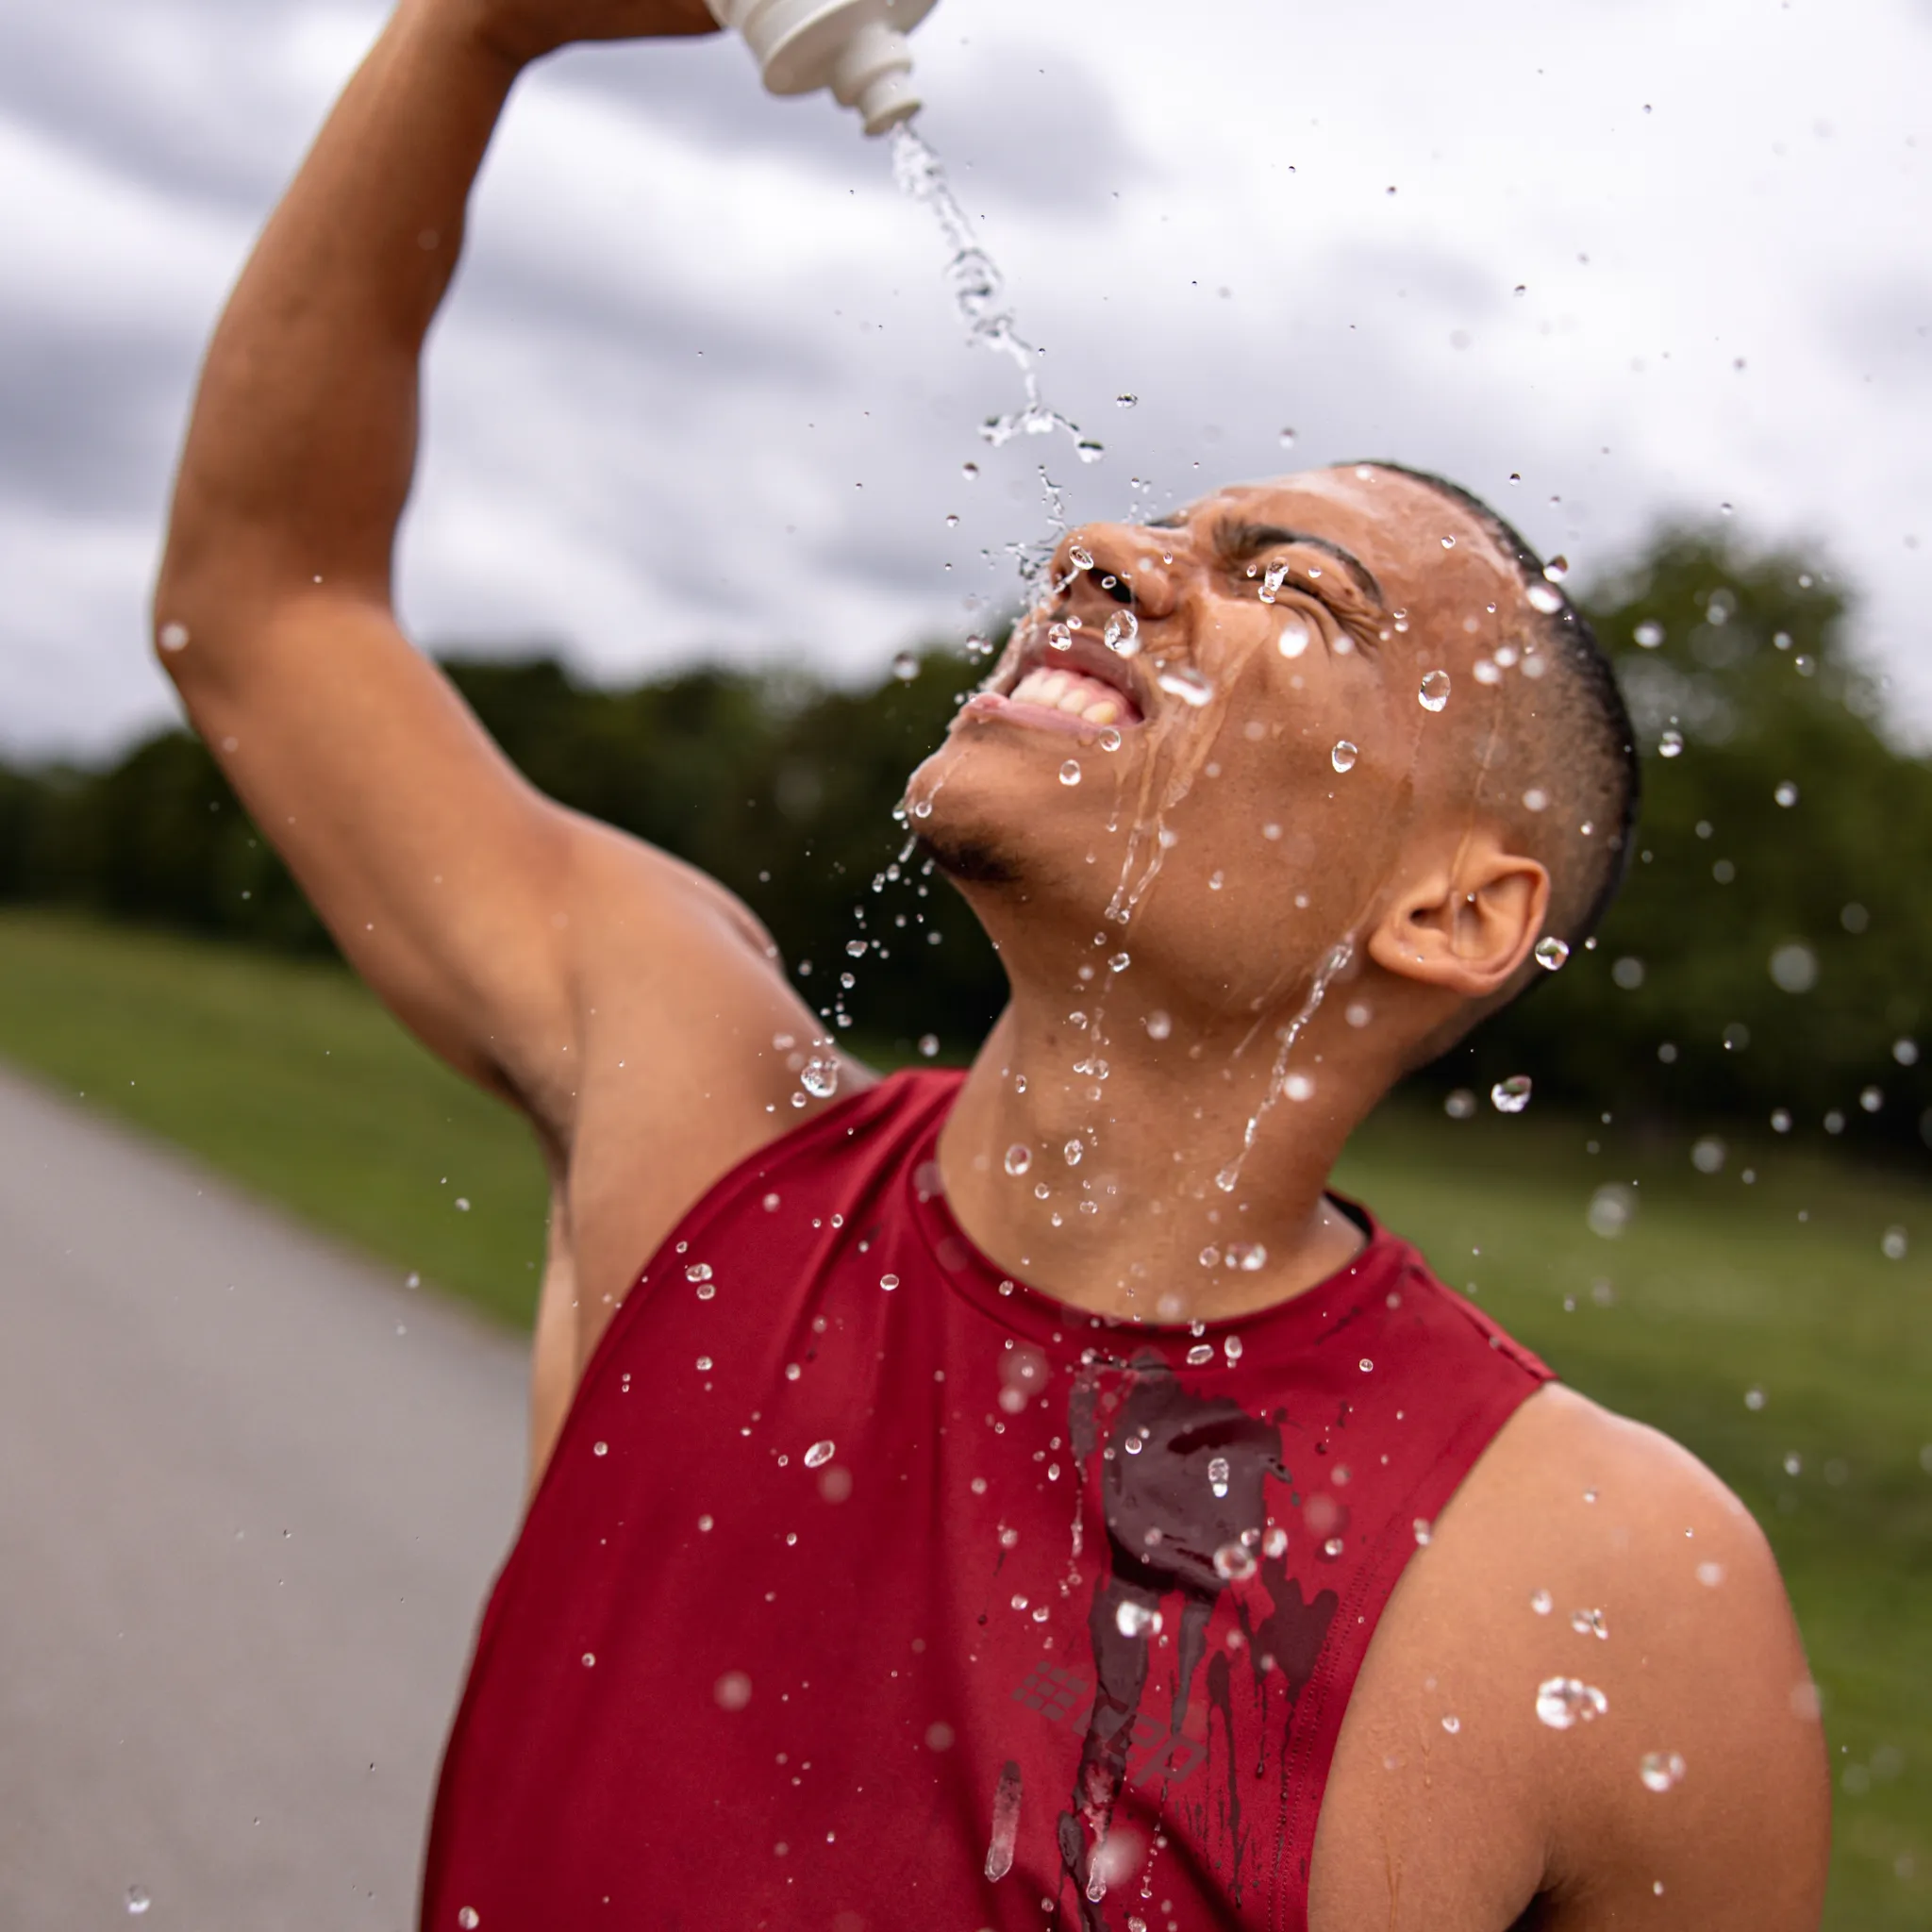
(979, 294)
(1339, 960)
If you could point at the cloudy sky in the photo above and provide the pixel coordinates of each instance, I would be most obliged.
(700, 393)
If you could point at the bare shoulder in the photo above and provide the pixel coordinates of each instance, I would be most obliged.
(1704, 1792)
(1635, 1729)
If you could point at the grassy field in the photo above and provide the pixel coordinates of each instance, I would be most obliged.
(1759, 1322)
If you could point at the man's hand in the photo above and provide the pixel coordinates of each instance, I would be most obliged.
(527, 30)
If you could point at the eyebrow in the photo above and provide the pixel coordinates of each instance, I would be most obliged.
(1238, 542)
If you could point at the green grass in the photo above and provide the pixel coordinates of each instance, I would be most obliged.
(289, 1078)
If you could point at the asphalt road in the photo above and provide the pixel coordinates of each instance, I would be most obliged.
(251, 1496)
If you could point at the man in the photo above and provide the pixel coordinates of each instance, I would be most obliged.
(1027, 1500)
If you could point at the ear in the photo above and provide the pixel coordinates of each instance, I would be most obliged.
(1467, 924)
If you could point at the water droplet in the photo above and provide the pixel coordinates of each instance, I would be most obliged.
(1127, 402)
(888, 1282)
(1448, 542)
(1159, 1025)
(1287, 439)
(1122, 634)
(1893, 1244)
(1294, 640)
(1557, 569)
(1610, 1212)
(1218, 1473)
(1119, 962)
(905, 667)
(1272, 581)
(1649, 633)
(1551, 952)
(1795, 967)
(820, 1076)
(1542, 1603)
(1561, 1701)
(173, 638)
(1588, 1624)
(1080, 558)
(1231, 1344)
(1072, 1152)
(1299, 1086)
(600, 1448)
(1060, 636)
(1460, 1104)
(929, 1045)
(732, 1690)
(1425, 1532)
(1183, 682)
(1544, 597)
(469, 1917)
(1510, 1095)
(1200, 1355)
(1669, 744)
(1707, 1153)
(1109, 740)
(1660, 1770)
(1005, 1824)
(819, 1455)
(1249, 1257)
(1366, 1366)
(1088, 451)
(1435, 691)
(698, 1271)
(1344, 756)
(1070, 772)
(1451, 1725)
(137, 1898)
(970, 471)
(1134, 1620)
(1018, 1158)
(1785, 794)
(1332, 1547)
(1234, 1561)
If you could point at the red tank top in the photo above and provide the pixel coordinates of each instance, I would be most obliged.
(869, 1589)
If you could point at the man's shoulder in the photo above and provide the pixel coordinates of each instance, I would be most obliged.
(1598, 1626)
(1638, 1630)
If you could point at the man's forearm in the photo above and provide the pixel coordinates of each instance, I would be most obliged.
(302, 446)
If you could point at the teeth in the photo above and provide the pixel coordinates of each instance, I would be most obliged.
(1081, 697)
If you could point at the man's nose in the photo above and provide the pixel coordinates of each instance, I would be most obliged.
(1130, 556)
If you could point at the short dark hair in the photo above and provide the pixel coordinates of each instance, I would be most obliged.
(1583, 738)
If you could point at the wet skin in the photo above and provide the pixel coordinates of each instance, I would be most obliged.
(1269, 858)
(642, 1021)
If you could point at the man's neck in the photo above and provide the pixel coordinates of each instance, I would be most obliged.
(1169, 1208)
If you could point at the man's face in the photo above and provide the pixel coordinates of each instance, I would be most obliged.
(1210, 745)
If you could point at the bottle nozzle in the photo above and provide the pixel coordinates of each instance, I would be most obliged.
(873, 75)
(848, 45)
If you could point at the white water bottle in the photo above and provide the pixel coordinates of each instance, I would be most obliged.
(858, 48)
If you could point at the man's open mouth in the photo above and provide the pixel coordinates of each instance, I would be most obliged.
(1085, 689)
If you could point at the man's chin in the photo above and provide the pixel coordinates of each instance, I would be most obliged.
(967, 861)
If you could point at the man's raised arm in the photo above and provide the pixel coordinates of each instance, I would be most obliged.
(458, 891)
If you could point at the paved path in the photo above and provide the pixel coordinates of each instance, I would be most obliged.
(251, 1496)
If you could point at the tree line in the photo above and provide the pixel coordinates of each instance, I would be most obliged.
(1767, 958)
